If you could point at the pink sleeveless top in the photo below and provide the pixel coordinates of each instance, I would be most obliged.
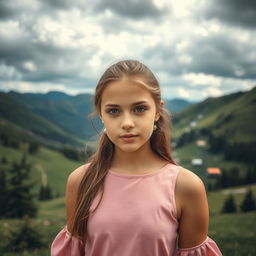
(137, 216)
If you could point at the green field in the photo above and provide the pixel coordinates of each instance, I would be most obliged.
(234, 233)
(55, 165)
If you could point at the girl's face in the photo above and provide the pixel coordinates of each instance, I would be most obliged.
(128, 111)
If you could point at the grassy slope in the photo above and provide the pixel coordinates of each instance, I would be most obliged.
(234, 233)
(56, 166)
(231, 114)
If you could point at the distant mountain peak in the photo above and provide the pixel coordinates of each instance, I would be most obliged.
(57, 95)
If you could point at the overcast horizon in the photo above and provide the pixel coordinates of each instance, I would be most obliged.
(196, 48)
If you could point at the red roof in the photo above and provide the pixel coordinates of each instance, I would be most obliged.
(214, 170)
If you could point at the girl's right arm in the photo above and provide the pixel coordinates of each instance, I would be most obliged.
(64, 243)
(193, 217)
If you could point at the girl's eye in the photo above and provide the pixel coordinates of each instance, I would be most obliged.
(113, 111)
(140, 109)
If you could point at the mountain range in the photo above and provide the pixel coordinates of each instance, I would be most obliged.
(56, 118)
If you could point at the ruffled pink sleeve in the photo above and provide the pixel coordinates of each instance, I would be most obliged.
(207, 248)
(65, 244)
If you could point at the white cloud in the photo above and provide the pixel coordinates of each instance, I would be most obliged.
(43, 88)
(10, 29)
(30, 66)
(9, 72)
(186, 59)
(202, 79)
(182, 9)
(183, 93)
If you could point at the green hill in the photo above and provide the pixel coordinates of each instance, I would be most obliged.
(52, 163)
(231, 116)
(69, 113)
(16, 116)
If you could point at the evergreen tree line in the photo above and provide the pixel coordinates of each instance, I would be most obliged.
(248, 204)
(186, 138)
(234, 177)
(236, 151)
(9, 141)
(77, 155)
(15, 142)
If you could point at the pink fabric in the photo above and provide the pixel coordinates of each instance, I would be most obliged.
(207, 248)
(136, 217)
(66, 245)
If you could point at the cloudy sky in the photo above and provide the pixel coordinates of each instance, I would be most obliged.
(196, 48)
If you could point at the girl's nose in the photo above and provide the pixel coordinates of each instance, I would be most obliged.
(127, 122)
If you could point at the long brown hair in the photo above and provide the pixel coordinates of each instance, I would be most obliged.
(92, 183)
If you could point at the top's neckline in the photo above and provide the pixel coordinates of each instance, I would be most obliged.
(132, 176)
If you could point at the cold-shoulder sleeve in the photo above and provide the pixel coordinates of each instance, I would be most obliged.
(65, 244)
(207, 248)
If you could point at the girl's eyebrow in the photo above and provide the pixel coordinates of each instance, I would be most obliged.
(133, 104)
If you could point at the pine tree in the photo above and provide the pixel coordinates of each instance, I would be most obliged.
(33, 148)
(229, 205)
(248, 203)
(224, 183)
(4, 160)
(3, 192)
(45, 193)
(24, 238)
(19, 196)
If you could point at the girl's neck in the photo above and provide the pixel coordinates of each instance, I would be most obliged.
(136, 162)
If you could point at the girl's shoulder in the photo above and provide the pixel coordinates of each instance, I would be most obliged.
(188, 183)
(77, 174)
(190, 194)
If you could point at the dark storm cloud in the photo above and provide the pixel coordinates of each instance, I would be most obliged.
(5, 10)
(66, 4)
(135, 9)
(234, 12)
(59, 4)
(52, 63)
(217, 55)
(223, 56)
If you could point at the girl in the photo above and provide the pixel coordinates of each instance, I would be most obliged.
(132, 199)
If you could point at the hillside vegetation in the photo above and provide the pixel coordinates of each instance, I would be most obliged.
(53, 163)
(227, 115)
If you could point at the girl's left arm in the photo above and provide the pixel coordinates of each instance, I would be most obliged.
(193, 216)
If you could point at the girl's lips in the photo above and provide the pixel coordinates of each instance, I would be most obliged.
(128, 135)
(128, 138)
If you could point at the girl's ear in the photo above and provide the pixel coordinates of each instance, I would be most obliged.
(161, 105)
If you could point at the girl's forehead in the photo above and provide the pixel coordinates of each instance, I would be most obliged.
(125, 92)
